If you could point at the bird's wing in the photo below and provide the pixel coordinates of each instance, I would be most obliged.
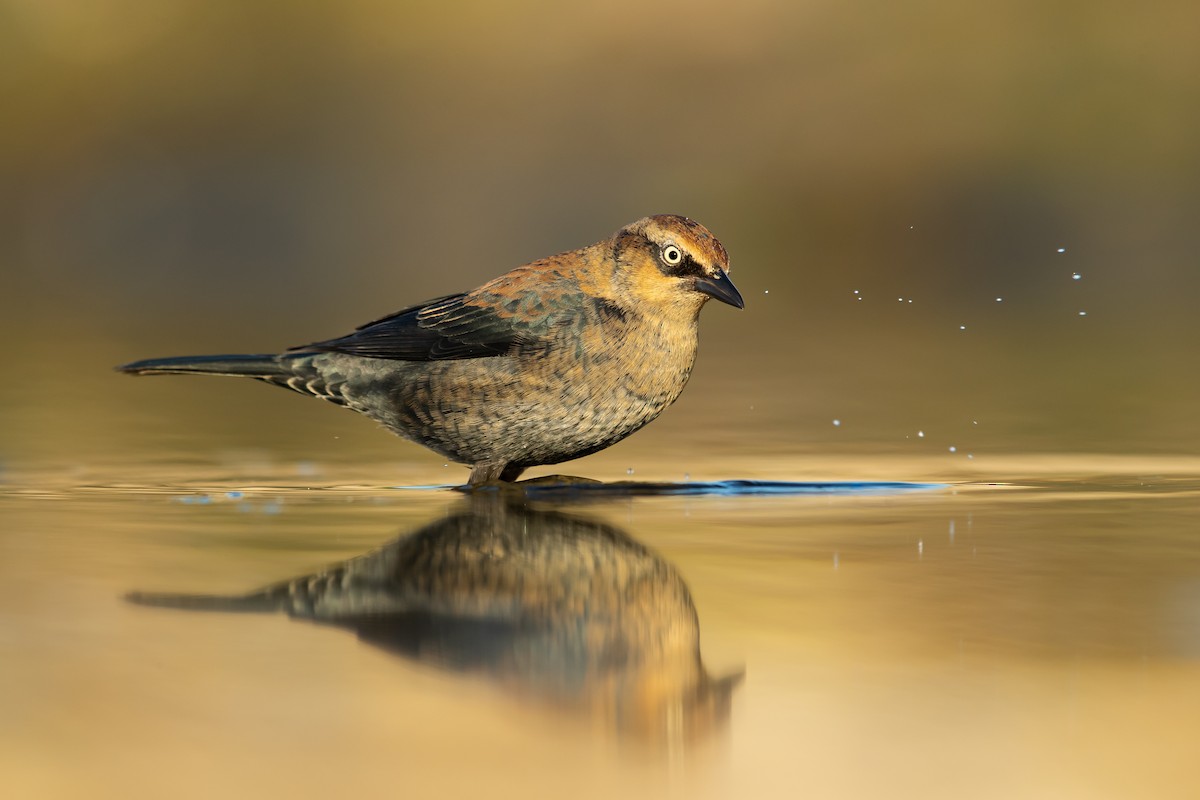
(490, 321)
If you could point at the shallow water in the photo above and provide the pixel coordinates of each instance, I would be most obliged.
(1028, 628)
(965, 241)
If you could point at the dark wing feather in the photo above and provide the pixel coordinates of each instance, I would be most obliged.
(489, 321)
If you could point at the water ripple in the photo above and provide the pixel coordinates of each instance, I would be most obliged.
(728, 488)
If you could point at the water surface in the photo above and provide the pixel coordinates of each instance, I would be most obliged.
(1030, 628)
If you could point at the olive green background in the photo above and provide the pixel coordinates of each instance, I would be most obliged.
(193, 177)
(205, 176)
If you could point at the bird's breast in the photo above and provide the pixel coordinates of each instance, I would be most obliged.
(633, 360)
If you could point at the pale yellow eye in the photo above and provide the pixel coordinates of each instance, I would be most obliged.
(671, 255)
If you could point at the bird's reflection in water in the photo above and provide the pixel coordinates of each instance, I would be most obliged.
(552, 606)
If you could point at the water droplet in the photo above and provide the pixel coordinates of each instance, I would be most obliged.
(962, 327)
(999, 299)
(1062, 249)
(953, 449)
(1075, 276)
(837, 423)
(629, 471)
(970, 455)
(1083, 313)
(920, 434)
(766, 291)
(920, 548)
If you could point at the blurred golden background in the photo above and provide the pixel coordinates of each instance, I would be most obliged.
(967, 233)
(180, 177)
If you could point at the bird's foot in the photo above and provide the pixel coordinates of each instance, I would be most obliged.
(519, 488)
(559, 480)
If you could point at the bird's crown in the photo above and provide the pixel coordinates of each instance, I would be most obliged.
(684, 245)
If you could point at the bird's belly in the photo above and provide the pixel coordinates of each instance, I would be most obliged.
(523, 411)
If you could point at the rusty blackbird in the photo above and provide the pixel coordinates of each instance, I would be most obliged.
(554, 360)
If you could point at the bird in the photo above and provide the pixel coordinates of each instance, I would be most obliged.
(554, 360)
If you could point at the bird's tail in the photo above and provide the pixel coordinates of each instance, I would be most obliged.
(272, 599)
(248, 366)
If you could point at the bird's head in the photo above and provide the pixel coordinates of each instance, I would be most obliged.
(671, 263)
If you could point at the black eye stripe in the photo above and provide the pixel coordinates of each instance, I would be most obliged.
(687, 267)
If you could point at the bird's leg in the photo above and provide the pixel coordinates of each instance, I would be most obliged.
(511, 472)
(492, 471)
